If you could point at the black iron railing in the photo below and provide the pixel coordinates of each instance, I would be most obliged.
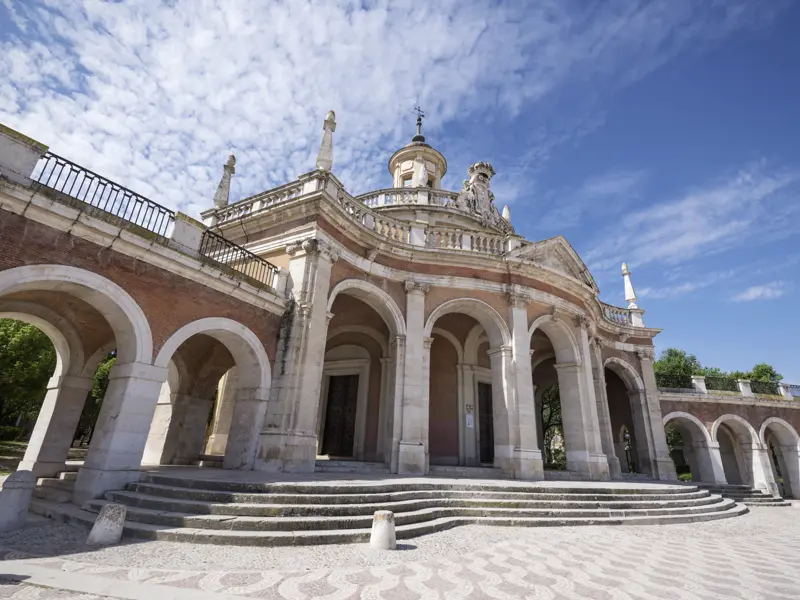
(64, 176)
(674, 381)
(722, 384)
(765, 387)
(228, 254)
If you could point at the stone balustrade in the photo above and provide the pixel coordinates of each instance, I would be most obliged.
(254, 204)
(389, 197)
(617, 315)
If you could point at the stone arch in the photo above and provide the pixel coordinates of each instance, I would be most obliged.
(62, 334)
(368, 331)
(453, 340)
(784, 431)
(375, 297)
(492, 322)
(626, 372)
(684, 416)
(132, 333)
(741, 426)
(475, 338)
(560, 336)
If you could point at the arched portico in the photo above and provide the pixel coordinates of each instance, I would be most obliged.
(376, 298)
(699, 450)
(549, 336)
(782, 444)
(744, 458)
(106, 307)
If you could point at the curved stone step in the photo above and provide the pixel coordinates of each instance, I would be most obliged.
(325, 523)
(157, 502)
(73, 514)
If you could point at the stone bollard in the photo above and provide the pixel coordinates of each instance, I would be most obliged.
(15, 499)
(383, 535)
(108, 526)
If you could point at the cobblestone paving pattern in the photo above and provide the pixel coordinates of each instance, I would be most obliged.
(754, 557)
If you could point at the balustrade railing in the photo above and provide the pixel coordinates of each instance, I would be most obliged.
(392, 229)
(442, 198)
(389, 197)
(615, 314)
(764, 387)
(674, 381)
(80, 183)
(722, 384)
(259, 202)
(233, 256)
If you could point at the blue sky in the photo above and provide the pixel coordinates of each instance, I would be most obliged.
(662, 133)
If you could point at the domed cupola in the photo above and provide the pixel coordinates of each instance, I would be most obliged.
(417, 164)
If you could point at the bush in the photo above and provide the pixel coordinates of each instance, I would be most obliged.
(685, 477)
(11, 433)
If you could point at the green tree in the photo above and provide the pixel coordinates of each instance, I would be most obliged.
(91, 409)
(678, 363)
(27, 361)
(765, 372)
(552, 425)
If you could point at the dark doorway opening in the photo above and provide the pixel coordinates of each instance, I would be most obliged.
(485, 423)
(340, 416)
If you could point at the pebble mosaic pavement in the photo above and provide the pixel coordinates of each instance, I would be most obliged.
(754, 557)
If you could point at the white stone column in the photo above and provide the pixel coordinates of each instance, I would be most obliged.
(709, 462)
(384, 410)
(466, 374)
(645, 449)
(603, 412)
(187, 430)
(526, 456)
(55, 427)
(663, 467)
(289, 439)
(789, 457)
(413, 451)
(159, 427)
(247, 422)
(223, 412)
(115, 453)
(398, 381)
(761, 467)
(503, 408)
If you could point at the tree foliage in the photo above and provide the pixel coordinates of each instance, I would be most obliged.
(674, 362)
(94, 400)
(27, 362)
(552, 428)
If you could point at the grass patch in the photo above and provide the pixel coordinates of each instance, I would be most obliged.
(12, 452)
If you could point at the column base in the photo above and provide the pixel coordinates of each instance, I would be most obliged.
(593, 467)
(527, 465)
(93, 483)
(217, 443)
(614, 470)
(665, 470)
(286, 452)
(41, 468)
(412, 459)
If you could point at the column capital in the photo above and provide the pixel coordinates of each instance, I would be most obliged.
(415, 286)
(398, 340)
(518, 300)
(313, 246)
(646, 354)
(499, 350)
(328, 316)
(567, 366)
(427, 342)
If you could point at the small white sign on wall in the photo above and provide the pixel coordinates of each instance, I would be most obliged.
(470, 421)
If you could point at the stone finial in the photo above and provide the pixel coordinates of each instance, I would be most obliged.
(224, 188)
(507, 213)
(325, 155)
(383, 535)
(630, 295)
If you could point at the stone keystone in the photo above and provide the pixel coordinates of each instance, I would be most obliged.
(15, 498)
(107, 528)
(383, 534)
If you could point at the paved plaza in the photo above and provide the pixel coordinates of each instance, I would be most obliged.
(754, 557)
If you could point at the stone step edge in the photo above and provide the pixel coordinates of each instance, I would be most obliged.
(396, 506)
(391, 495)
(384, 487)
(69, 513)
(247, 523)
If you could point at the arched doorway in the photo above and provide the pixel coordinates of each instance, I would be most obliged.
(783, 445)
(355, 413)
(744, 459)
(692, 449)
(202, 352)
(466, 360)
(626, 405)
(93, 315)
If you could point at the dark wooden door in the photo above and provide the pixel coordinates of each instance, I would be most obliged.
(486, 422)
(340, 416)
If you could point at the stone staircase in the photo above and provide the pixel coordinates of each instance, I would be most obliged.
(58, 489)
(744, 494)
(172, 508)
(325, 465)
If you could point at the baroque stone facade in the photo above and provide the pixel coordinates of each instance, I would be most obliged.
(409, 330)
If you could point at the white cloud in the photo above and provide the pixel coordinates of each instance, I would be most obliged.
(727, 213)
(668, 292)
(768, 291)
(156, 95)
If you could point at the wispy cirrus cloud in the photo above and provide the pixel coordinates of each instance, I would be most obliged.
(155, 94)
(767, 291)
(670, 291)
(729, 212)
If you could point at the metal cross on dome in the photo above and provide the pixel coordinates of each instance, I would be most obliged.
(420, 116)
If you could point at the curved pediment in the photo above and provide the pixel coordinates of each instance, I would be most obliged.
(557, 254)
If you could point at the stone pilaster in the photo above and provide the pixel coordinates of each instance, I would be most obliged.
(289, 438)
(398, 344)
(603, 413)
(223, 412)
(187, 430)
(55, 427)
(663, 467)
(413, 451)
